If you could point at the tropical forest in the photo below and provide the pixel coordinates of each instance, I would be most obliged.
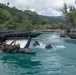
(13, 18)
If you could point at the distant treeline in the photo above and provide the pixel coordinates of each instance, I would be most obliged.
(12, 18)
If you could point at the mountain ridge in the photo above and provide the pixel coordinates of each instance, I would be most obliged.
(54, 19)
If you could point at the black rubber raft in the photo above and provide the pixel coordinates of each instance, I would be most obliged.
(18, 34)
(72, 36)
(29, 34)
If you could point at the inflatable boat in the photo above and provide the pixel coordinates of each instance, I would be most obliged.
(63, 35)
(72, 36)
(16, 35)
(19, 35)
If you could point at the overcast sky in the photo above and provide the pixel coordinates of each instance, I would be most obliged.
(42, 7)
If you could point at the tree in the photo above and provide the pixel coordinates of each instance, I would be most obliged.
(4, 15)
(70, 14)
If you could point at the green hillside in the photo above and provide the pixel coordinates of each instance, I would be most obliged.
(12, 18)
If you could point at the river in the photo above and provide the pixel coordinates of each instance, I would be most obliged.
(60, 60)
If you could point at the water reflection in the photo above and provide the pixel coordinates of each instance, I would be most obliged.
(23, 61)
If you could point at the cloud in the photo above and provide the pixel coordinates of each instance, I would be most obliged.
(43, 7)
(50, 11)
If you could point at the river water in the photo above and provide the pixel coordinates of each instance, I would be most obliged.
(60, 60)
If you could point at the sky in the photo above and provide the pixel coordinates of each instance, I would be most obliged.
(42, 7)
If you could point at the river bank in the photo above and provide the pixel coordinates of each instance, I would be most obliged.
(56, 30)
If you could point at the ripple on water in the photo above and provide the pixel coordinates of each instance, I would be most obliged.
(60, 60)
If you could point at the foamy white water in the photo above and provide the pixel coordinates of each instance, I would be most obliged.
(41, 45)
(60, 46)
(54, 36)
(22, 42)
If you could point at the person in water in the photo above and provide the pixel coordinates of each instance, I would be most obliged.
(4, 47)
(16, 46)
(36, 43)
(67, 31)
(10, 48)
(48, 46)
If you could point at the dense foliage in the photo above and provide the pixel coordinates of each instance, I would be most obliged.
(70, 14)
(12, 18)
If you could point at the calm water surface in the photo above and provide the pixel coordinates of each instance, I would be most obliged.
(61, 60)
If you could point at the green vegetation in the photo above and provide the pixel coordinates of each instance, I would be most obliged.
(70, 14)
(12, 18)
